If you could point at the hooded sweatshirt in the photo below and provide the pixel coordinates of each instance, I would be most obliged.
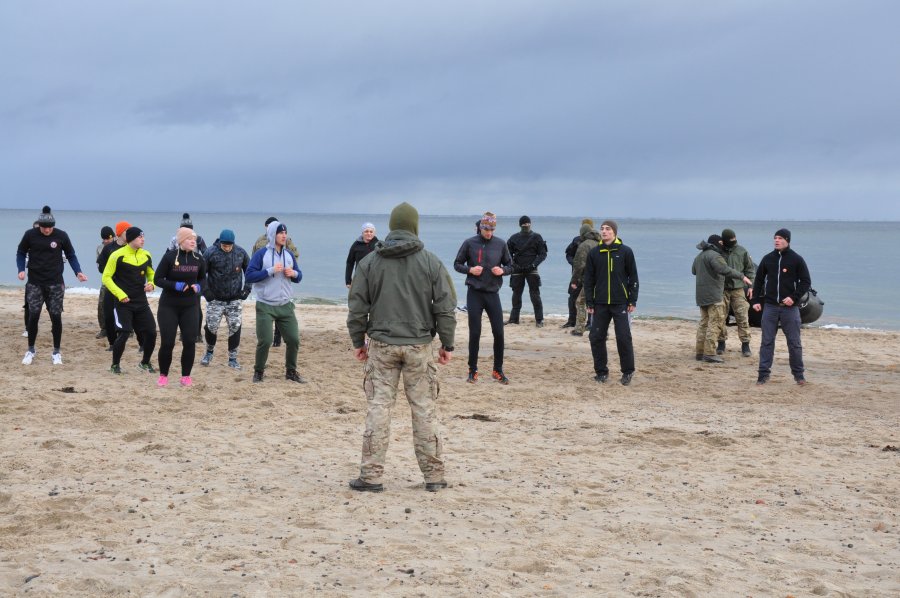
(273, 288)
(225, 272)
(401, 295)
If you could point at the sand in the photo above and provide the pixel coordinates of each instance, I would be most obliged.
(690, 482)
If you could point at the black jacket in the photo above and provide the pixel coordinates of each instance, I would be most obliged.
(191, 269)
(225, 273)
(781, 274)
(358, 251)
(478, 251)
(527, 251)
(610, 275)
(572, 249)
(45, 256)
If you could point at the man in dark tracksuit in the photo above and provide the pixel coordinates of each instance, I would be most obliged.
(610, 292)
(485, 260)
(781, 281)
(527, 249)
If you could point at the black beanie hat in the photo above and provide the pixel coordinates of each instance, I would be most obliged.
(714, 240)
(132, 233)
(784, 234)
(404, 217)
(107, 233)
(524, 220)
(186, 221)
(270, 220)
(728, 234)
(45, 218)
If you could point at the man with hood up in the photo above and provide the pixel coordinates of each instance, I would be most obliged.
(271, 271)
(590, 238)
(711, 269)
(401, 296)
(261, 242)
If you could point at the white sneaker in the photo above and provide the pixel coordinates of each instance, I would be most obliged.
(29, 357)
(57, 358)
(25, 333)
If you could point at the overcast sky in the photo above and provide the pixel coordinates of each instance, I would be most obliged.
(675, 108)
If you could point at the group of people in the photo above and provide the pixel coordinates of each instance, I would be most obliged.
(727, 281)
(223, 273)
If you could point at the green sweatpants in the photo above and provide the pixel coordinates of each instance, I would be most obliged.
(283, 316)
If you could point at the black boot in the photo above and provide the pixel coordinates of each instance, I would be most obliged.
(745, 349)
(720, 350)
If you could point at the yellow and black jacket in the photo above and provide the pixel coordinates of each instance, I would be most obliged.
(126, 273)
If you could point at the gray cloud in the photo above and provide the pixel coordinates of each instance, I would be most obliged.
(665, 109)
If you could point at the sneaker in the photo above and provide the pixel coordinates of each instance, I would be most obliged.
(206, 358)
(626, 379)
(713, 359)
(25, 333)
(763, 378)
(257, 376)
(435, 486)
(801, 381)
(100, 334)
(539, 324)
(186, 381)
(568, 325)
(720, 350)
(146, 367)
(293, 376)
(56, 358)
(602, 378)
(508, 322)
(362, 486)
(115, 369)
(473, 377)
(745, 350)
(500, 377)
(109, 348)
(140, 350)
(29, 357)
(163, 380)
(276, 342)
(233, 363)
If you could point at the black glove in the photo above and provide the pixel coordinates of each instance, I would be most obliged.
(245, 293)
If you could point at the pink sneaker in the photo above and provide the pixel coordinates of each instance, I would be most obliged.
(163, 381)
(186, 381)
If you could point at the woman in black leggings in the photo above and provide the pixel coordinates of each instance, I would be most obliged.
(181, 275)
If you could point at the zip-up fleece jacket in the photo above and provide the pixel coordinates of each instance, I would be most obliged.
(781, 274)
(358, 251)
(611, 276)
(45, 256)
(273, 288)
(127, 271)
(176, 270)
(401, 295)
(738, 258)
(478, 251)
(528, 250)
(225, 273)
(711, 270)
(105, 252)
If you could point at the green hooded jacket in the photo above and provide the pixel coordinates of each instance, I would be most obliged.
(738, 258)
(711, 270)
(401, 295)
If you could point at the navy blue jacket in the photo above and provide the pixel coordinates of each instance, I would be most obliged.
(781, 274)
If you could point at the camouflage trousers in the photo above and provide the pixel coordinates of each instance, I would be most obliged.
(581, 312)
(230, 309)
(712, 318)
(736, 300)
(383, 369)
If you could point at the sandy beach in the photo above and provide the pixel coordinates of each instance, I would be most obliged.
(690, 482)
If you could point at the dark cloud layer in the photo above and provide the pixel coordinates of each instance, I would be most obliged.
(656, 109)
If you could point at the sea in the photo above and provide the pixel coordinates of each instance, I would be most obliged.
(854, 265)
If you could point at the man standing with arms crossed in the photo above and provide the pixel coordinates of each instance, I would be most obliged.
(610, 293)
(401, 297)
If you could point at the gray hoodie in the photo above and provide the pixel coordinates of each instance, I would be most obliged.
(271, 287)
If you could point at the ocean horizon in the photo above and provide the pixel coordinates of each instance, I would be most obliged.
(850, 262)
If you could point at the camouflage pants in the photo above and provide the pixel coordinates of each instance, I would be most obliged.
(712, 318)
(51, 295)
(382, 376)
(581, 312)
(230, 309)
(736, 300)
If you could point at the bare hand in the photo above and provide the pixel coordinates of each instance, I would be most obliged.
(289, 272)
(21, 276)
(476, 270)
(788, 301)
(590, 310)
(125, 300)
(444, 356)
(631, 308)
(148, 287)
(361, 354)
(757, 307)
(497, 271)
(750, 293)
(278, 267)
(573, 285)
(81, 276)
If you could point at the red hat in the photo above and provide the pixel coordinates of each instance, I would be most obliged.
(121, 227)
